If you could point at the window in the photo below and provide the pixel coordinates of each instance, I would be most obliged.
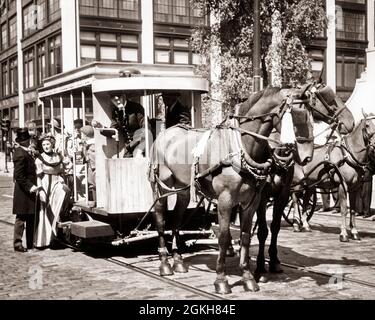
(174, 51)
(108, 53)
(109, 37)
(54, 10)
(29, 19)
(350, 25)
(36, 16)
(178, 11)
(14, 113)
(41, 6)
(13, 31)
(129, 48)
(125, 9)
(4, 36)
(88, 53)
(129, 9)
(41, 62)
(109, 47)
(89, 7)
(13, 75)
(4, 79)
(108, 8)
(348, 69)
(129, 55)
(30, 111)
(55, 63)
(29, 68)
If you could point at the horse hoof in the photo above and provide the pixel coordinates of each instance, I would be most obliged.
(222, 287)
(344, 238)
(250, 285)
(260, 275)
(180, 267)
(261, 278)
(165, 269)
(276, 268)
(355, 236)
(306, 229)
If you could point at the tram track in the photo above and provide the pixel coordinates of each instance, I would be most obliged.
(204, 294)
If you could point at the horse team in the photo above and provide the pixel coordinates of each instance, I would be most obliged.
(244, 162)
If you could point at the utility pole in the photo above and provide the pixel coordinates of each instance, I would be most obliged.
(256, 47)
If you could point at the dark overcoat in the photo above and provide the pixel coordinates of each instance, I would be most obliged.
(24, 178)
(178, 113)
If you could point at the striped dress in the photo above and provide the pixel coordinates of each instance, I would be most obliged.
(49, 169)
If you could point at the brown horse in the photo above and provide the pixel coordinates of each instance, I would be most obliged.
(326, 107)
(345, 165)
(229, 163)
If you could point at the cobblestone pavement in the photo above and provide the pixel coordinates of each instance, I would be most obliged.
(74, 275)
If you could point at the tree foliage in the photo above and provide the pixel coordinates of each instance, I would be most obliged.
(230, 38)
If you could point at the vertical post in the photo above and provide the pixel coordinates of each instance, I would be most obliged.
(74, 149)
(52, 125)
(83, 106)
(256, 48)
(43, 120)
(21, 98)
(62, 123)
(330, 65)
(147, 142)
(192, 110)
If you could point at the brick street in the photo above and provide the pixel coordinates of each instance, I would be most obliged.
(66, 274)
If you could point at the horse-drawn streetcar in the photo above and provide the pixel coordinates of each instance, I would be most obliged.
(115, 210)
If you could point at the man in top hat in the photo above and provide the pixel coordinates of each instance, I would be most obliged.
(25, 190)
(175, 111)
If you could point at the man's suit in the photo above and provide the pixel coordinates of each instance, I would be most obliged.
(24, 200)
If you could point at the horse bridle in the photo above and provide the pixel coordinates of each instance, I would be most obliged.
(332, 113)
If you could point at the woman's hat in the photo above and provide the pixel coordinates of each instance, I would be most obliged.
(22, 134)
(49, 138)
(88, 131)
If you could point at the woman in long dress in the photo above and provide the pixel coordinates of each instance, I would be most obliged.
(54, 194)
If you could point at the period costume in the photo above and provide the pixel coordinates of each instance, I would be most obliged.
(24, 198)
(50, 169)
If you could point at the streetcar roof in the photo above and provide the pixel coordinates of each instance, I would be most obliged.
(107, 77)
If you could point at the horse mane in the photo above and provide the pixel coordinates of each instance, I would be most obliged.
(245, 106)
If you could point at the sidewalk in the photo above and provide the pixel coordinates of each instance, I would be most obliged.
(2, 166)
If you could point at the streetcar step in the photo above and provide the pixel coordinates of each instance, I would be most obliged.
(91, 229)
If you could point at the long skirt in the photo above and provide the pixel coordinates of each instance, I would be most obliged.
(49, 213)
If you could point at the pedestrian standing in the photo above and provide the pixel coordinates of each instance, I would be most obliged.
(25, 190)
(54, 193)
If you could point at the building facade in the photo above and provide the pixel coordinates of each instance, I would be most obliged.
(42, 38)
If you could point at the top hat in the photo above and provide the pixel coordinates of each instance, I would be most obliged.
(22, 135)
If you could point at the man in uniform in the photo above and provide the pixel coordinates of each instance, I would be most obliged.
(128, 117)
